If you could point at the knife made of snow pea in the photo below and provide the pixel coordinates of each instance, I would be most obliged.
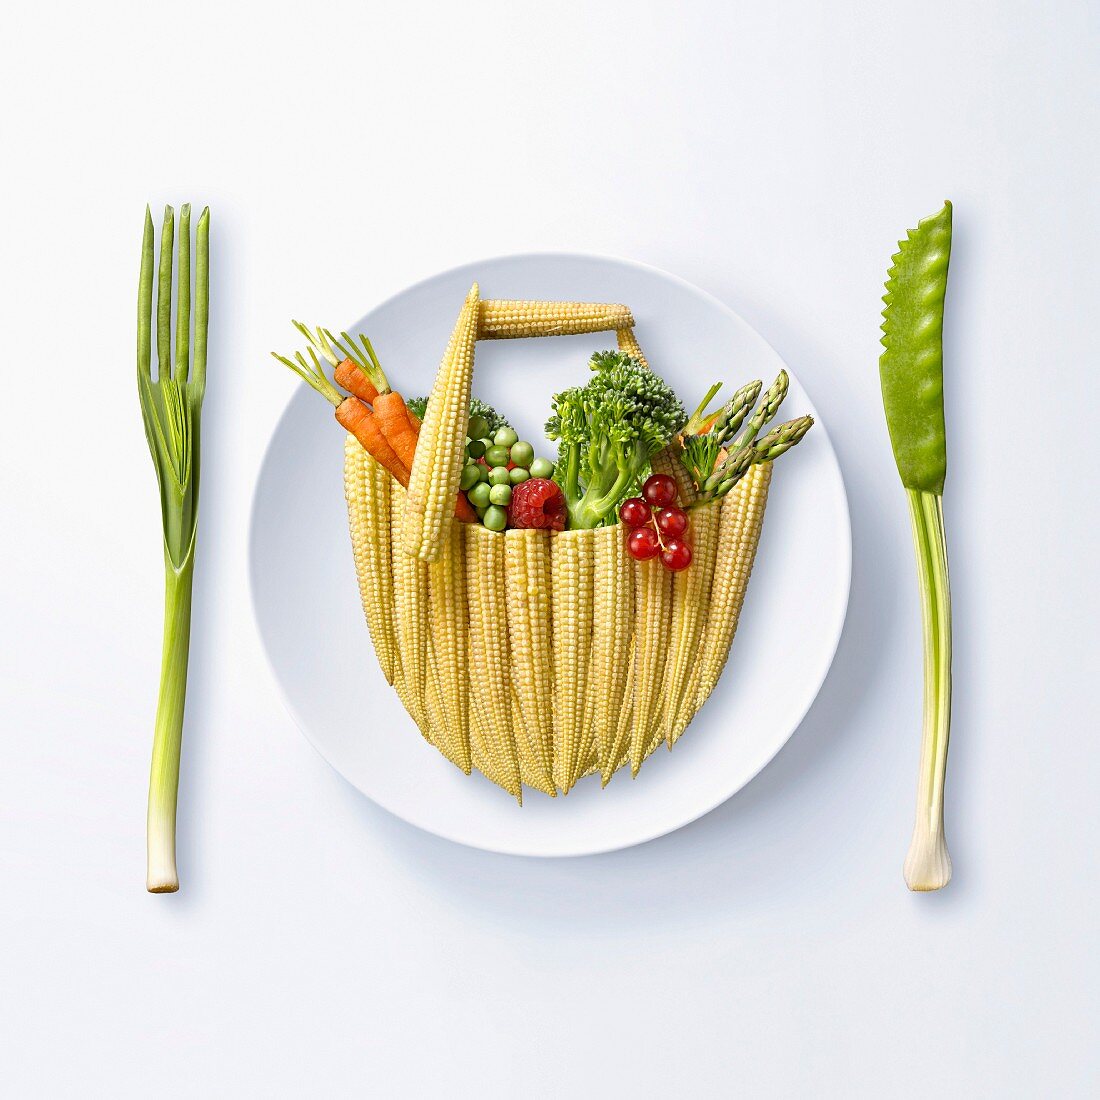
(911, 371)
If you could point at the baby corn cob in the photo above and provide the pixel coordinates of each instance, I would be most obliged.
(410, 596)
(440, 452)
(447, 646)
(502, 320)
(619, 752)
(436, 732)
(531, 770)
(738, 537)
(367, 490)
(690, 595)
(612, 629)
(571, 568)
(628, 342)
(490, 697)
(527, 592)
(481, 753)
(653, 606)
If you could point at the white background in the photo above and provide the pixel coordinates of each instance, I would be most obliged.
(319, 947)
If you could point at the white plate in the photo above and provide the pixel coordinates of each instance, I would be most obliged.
(307, 606)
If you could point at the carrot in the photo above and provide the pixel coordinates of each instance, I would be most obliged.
(355, 381)
(358, 419)
(389, 432)
(393, 416)
(464, 510)
(402, 429)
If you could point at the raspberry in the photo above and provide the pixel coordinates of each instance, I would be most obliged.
(537, 502)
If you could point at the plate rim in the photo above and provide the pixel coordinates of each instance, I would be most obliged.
(665, 829)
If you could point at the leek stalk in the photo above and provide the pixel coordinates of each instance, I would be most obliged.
(928, 864)
(171, 407)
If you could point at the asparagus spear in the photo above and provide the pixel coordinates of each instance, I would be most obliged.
(911, 370)
(738, 463)
(780, 440)
(769, 406)
(700, 451)
(734, 412)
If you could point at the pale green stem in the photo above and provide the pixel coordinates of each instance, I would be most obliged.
(161, 876)
(928, 864)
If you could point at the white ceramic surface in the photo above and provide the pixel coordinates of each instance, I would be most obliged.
(307, 607)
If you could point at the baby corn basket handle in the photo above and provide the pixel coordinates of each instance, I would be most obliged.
(437, 464)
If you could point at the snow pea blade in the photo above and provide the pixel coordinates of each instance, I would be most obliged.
(911, 366)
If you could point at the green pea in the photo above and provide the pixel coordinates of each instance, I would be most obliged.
(495, 518)
(522, 453)
(518, 475)
(486, 441)
(505, 437)
(475, 448)
(470, 476)
(479, 427)
(497, 455)
(501, 494)
(542, 467)
(479, 495)
(498, 475)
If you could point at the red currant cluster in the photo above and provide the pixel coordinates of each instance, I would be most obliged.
(657, 525)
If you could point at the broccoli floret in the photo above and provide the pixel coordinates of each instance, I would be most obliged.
(483, 408)
(419, 405)
(607, 431)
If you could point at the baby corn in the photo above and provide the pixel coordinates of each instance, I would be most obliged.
(738, 537)
(410, 594)
(447, 620)
(690, 596)
(571, 567)
(440, 452)
(628, 342)
(490, 699)
(532, 770)
(653, 606)
(367, 490)
(503, 320)
(527, 593)
(612, 630)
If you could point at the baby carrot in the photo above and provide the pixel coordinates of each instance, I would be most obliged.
(358, 419)
(349, 377)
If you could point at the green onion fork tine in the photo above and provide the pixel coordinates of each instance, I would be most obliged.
(171, 406)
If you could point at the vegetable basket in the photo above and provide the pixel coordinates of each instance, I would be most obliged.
(538, 656)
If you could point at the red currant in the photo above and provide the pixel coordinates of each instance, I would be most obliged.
(660, 490)
(635, 512)
(672, 521)
(643, 544)
(676, 555)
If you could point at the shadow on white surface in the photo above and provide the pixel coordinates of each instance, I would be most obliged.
(211, 653)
